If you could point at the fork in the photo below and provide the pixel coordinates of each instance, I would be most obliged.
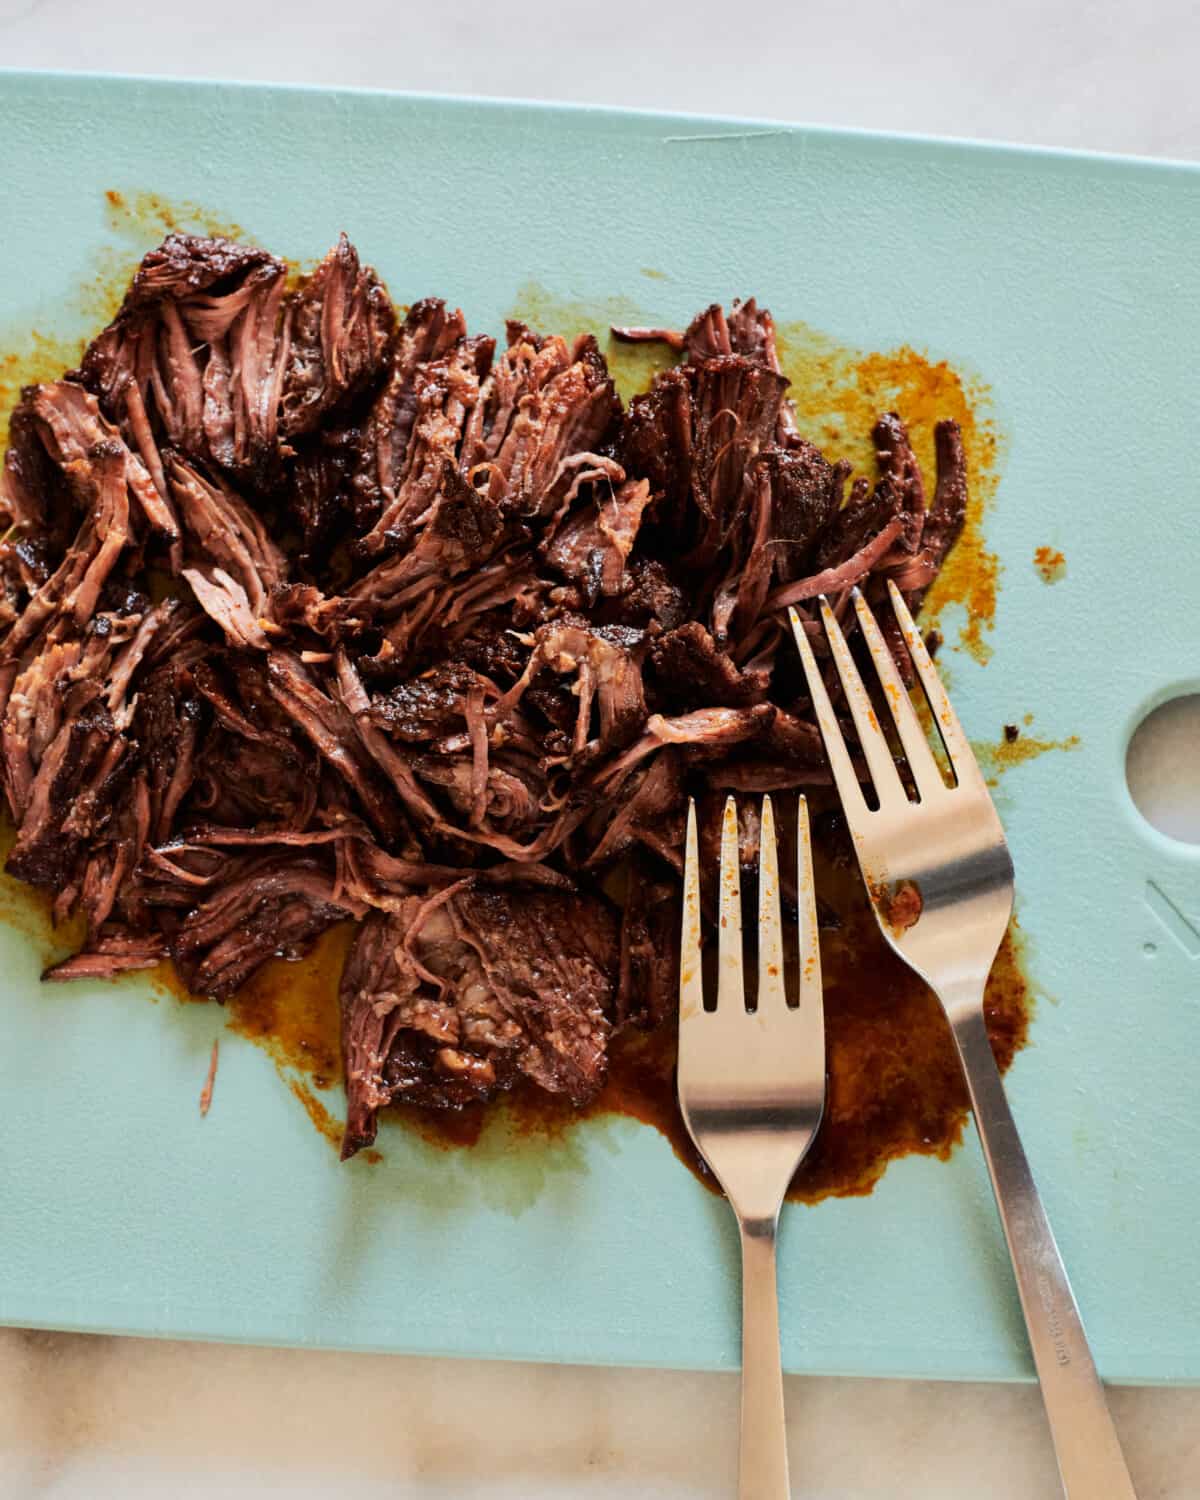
(941, 884)
(752, 1091)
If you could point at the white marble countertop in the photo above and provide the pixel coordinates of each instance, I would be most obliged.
(82, 1417)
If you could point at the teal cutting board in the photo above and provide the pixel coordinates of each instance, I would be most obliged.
(1069, 283)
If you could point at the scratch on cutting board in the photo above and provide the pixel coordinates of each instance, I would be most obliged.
(1185, 932)
(723, 135)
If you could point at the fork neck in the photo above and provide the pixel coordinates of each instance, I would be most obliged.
(962, 996)
(757, 1216)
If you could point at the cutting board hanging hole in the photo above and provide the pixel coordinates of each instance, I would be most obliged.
(1162, 768)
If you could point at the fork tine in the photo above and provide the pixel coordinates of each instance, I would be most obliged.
(812, 1000)
(921, 763)
(691, 982)
(730, 991)
(810, 990)
(844, 774)
(878, 754)
(958, 746)
(772, 992)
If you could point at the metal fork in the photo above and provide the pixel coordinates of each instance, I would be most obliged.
(752, 1091)
(941, 883)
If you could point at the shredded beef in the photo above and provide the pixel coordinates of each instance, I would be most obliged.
(313, 614)
(339, 328)
(195, 356)
(648, 989)
(690, 672)
(452, 997)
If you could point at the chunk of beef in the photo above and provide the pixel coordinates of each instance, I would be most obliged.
(692, 437)
(429, 411)
(806, 494)
(320, 495)
(70, 427)
(860, 537)
(228, 604)
(606, 673)
(651, 602)
(749, 330)
(302, 606)
(504, 794)
(330, 727)
(341, 323)
(71, 796)
(789, 753)
(394, 762)
(460, 531)
(275, 907)
(116, 849)
(593, 545)
(187, 264)
(706, 732)
(458, 994)
(690, 672)
(427, 707)
(225, 532)
(490, 647)
(648, 990)
(553, 425)
(115, 951)
(169, 724)
(196, 356)
(656, 443)
(36, 496)
(68, 756)
(427, 334)
(651, 814)
(34, 715)
(901, 475)
(261, 781)
(948, 514)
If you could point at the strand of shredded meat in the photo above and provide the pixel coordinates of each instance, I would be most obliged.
(314, 612)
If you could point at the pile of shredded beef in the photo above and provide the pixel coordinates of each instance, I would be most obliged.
(313, 611)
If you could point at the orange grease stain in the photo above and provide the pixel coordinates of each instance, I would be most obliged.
(291, 1010)
(841, 391)
(151, 216)
(1051, 565)
(330, 1128)
(995, 759)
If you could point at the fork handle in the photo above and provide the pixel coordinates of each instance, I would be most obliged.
(1090, 1461)
(762, 1464)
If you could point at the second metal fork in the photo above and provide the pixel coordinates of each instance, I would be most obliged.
(940, 878)
(752, 1091)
